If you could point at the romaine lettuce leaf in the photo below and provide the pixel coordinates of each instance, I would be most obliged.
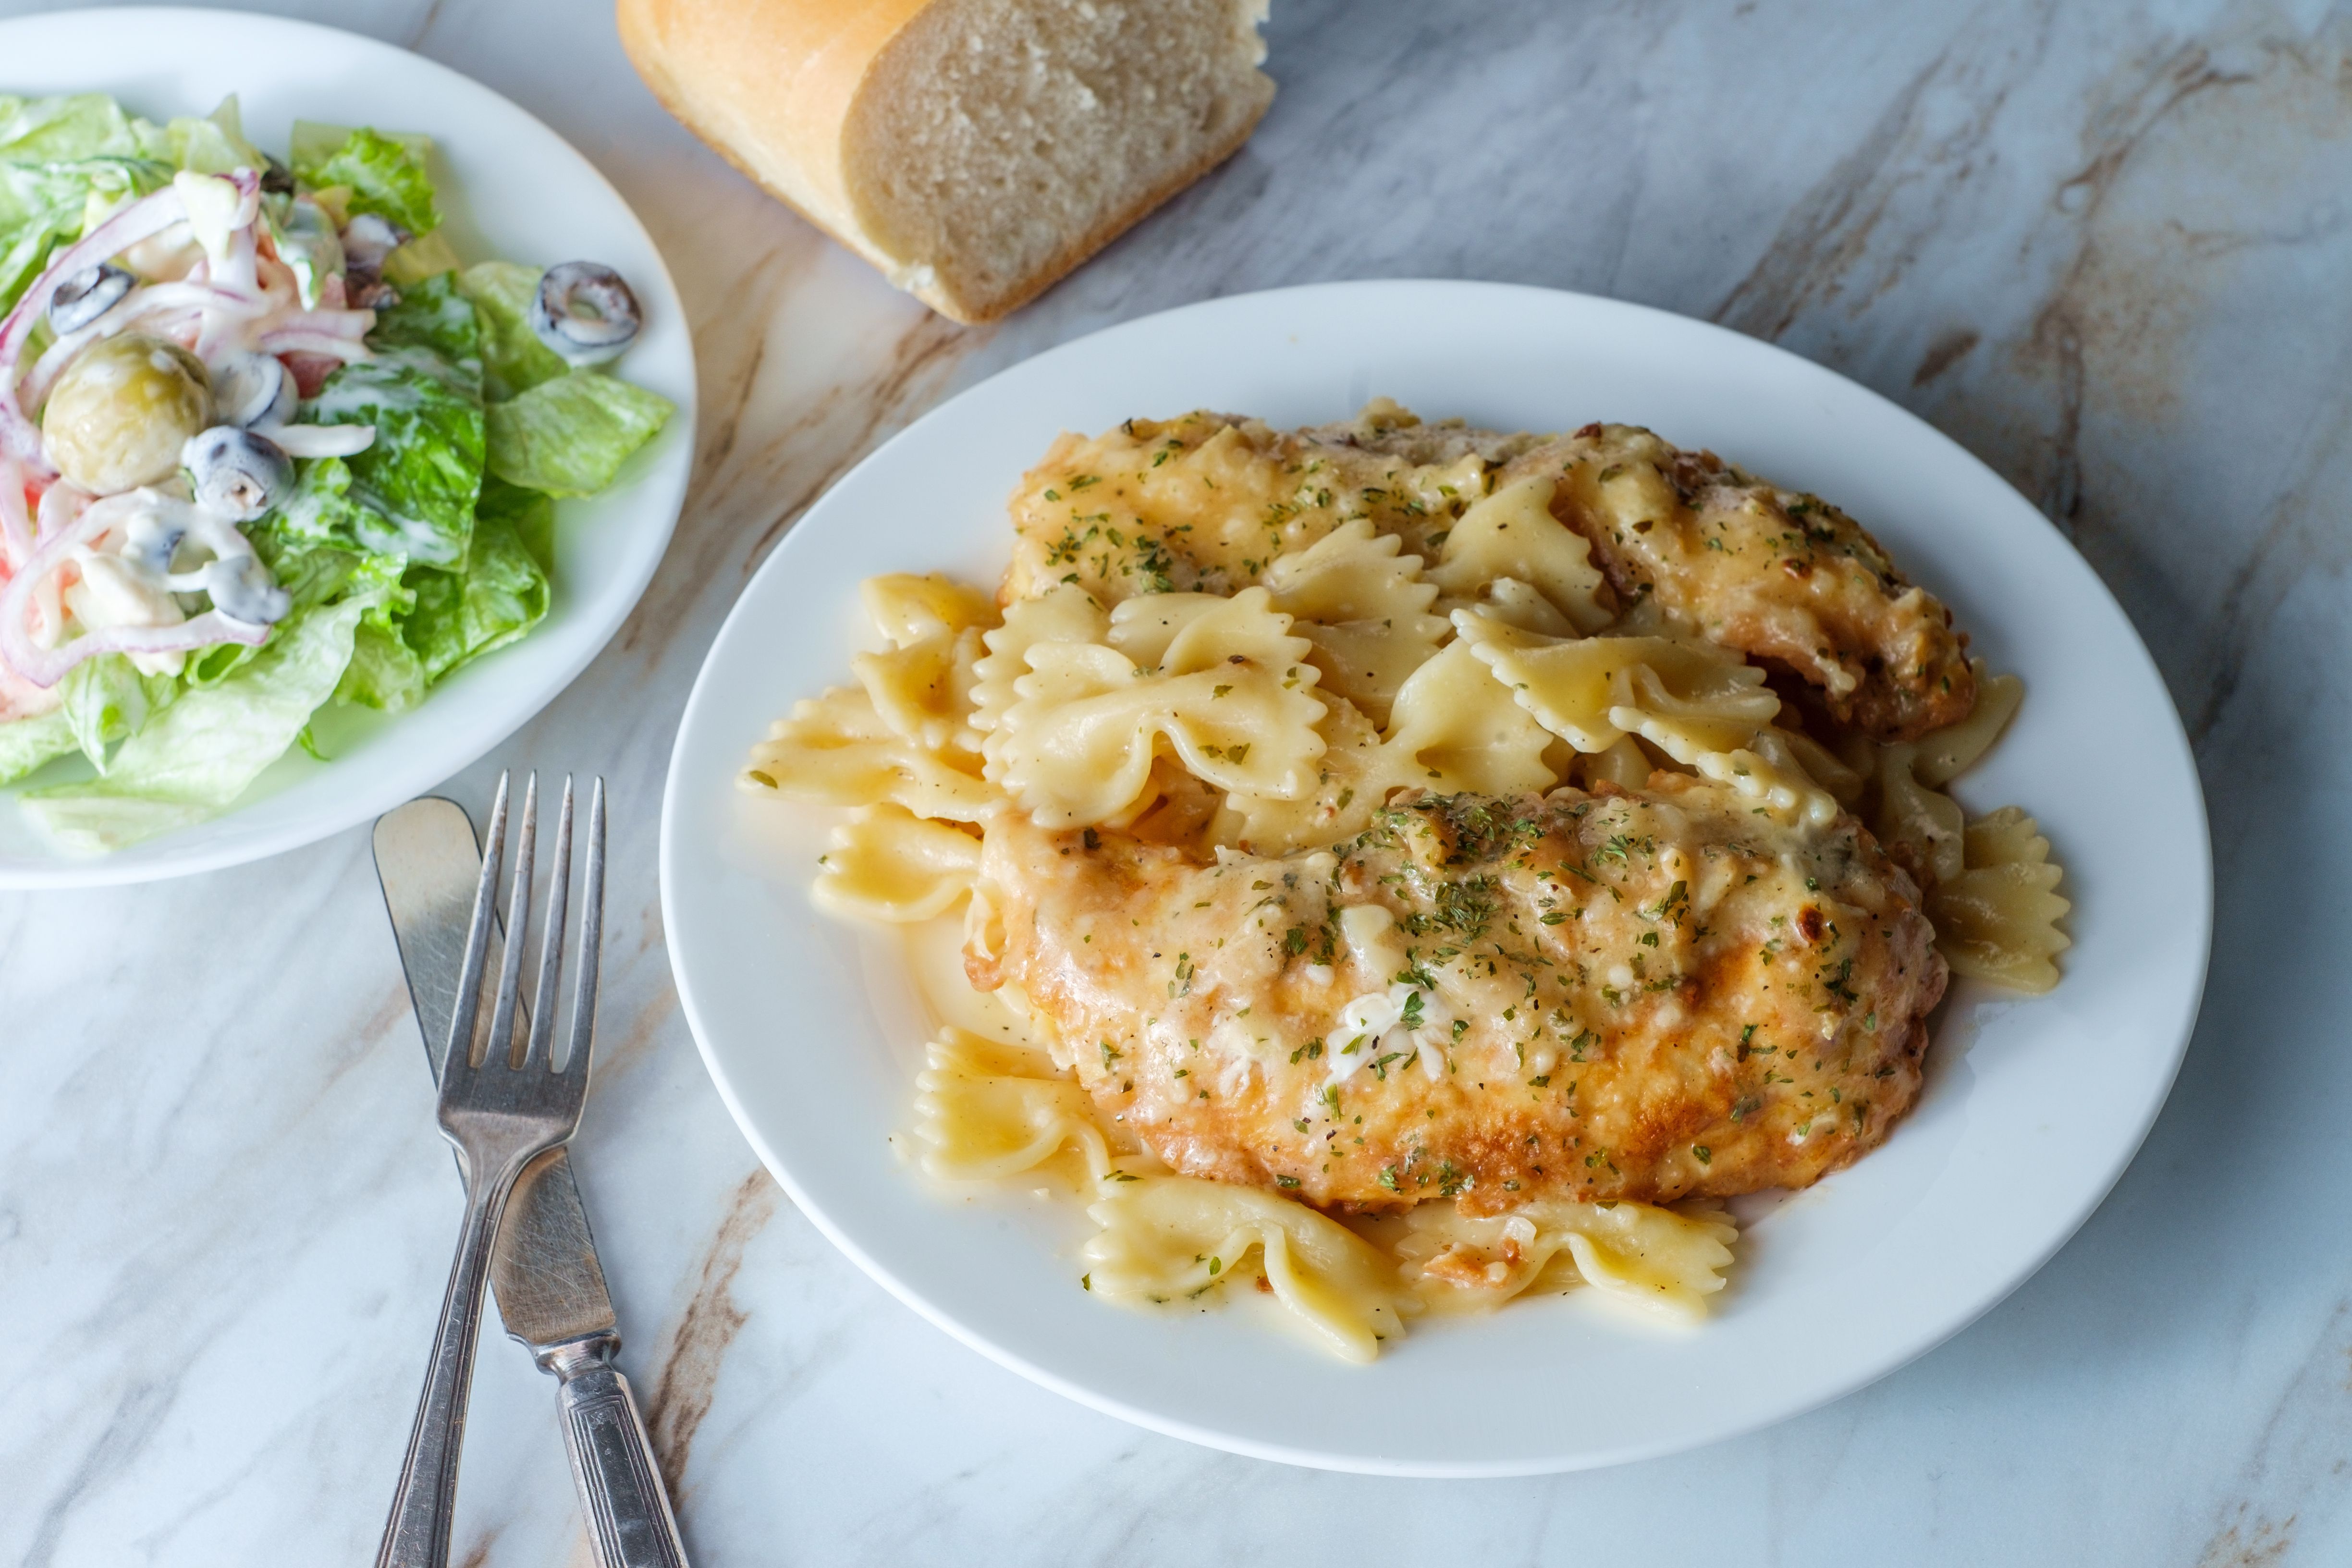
(500, 595)
(64, 161)
(82, 125)
(532, 512)
(46, 204)
(319, 510)
(26, 743)
(412, 492)
(313, 551)
(569, 437)
(313, 142)
(433, 315)
(203, 752)
(513, 359)
(384, 672)
(215, 144)
(386, 175)
(105, 700)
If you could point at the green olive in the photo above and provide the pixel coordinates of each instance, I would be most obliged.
(123, 410)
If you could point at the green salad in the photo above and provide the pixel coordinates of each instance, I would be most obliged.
(268, 445)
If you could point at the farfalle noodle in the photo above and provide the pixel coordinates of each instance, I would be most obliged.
(1062, 614)
(1921, 828)
(1512, 533)
(1666, 1262)
(1231, 696)
(1944, 754)
(835, 750)
(923, 690)
(1455, 729)
(887, 864)
(907, 609)
(1166, 1237)
(1997, 918)
(987, 1111)
(1365, 607)
(1228, 639)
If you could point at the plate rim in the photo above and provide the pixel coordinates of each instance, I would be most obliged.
(371, 793)
(2199, 888)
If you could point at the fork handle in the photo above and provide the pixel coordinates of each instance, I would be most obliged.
(621, 1492)
(417, 1533)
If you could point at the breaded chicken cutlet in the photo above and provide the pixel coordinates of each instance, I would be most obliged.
(1205, 502)
(1613, 995)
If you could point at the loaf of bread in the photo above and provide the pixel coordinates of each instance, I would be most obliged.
(973, 149)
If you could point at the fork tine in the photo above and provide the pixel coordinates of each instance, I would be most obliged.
(591, 934)
(551, 943)
(518, 928)
(457, 1055)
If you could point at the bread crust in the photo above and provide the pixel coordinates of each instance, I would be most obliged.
(767, 86)
(770, 85)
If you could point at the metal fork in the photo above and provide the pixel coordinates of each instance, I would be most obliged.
(501, 1113)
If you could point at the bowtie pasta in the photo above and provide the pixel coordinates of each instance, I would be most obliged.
(1226, 651)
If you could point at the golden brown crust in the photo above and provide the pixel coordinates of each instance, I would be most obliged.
(769, 87)
(1204, 502)
(1645, 996)
(1780, 575)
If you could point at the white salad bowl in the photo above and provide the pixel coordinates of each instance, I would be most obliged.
(2032, 1107)
(511, 188)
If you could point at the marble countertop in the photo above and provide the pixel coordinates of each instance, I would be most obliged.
(2105, 246)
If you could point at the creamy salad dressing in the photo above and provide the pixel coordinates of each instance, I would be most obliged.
(153, 369)
(152, 547)
(138, 556)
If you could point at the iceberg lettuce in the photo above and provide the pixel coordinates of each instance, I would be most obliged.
(513, 359)
(26, 743)
(386, 174)
(105, 700)
(569, 437)
(412, 492)
(59, 155)
(205, 749)
(500, 595)
(401, 563)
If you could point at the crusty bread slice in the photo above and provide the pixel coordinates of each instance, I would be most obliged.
(973, 149)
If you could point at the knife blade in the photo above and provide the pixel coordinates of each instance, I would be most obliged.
(544, 1270)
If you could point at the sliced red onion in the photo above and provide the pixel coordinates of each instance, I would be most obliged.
(324, 345)
(150, 215)
(45, 667)
(52, 664)
(339, 324)
(41, 666)
(140, 308)
(147, 215)
(16, 527)
(62, 505)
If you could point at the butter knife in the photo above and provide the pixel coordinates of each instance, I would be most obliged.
(544, 1271)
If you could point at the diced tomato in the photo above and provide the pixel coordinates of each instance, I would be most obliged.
(310, 370)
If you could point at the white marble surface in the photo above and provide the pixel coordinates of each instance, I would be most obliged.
(2102, 245)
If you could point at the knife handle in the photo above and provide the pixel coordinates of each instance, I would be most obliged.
(621, 1495)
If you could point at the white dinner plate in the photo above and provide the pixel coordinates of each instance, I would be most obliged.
(508, 187)
(2032, 1107)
